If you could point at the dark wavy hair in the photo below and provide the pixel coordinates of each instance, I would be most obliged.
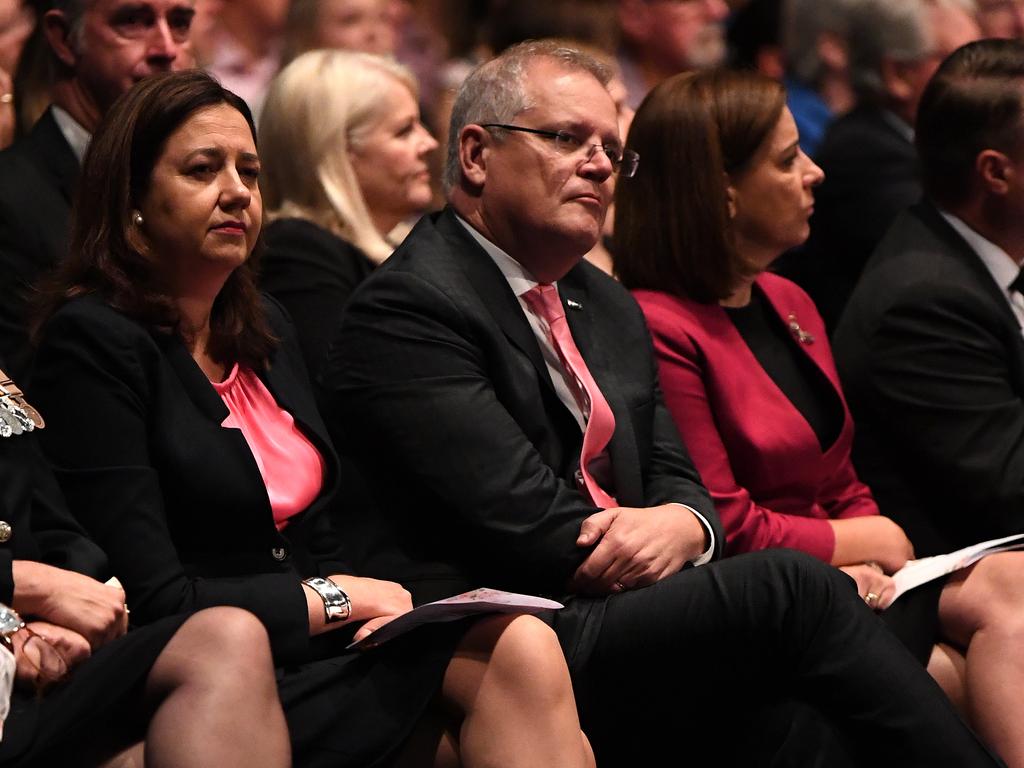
(108, 256)
(672, 226)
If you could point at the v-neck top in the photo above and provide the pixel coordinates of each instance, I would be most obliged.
(291, 466)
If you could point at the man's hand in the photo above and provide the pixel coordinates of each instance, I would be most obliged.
(636, 547)
(68, 599)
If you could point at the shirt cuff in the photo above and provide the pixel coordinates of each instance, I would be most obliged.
(705, 556)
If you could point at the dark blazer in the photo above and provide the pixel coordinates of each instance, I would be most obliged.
(486, 495)
(758, 456)
(870, 176)
(37, 178)
(177, 502)
(312, 272)
(932, 360)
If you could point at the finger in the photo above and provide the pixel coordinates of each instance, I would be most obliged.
(600, 569)
(370, 627)
(594, 527)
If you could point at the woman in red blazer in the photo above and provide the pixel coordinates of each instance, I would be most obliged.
(748, 374)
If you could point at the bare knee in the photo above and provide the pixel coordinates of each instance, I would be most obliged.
(527, 650)
(989, 596)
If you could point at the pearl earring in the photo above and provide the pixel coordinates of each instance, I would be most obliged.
(137, 219)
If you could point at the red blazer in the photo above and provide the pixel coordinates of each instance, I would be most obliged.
(758, 456)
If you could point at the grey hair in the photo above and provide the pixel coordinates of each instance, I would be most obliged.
(889, 29)
(494, 92)
(802, 25)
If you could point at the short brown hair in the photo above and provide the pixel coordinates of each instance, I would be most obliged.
(107, 256)
(975, 101)
(672, 227)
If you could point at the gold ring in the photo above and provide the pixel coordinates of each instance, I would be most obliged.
(621, 586)
(871, 598)
(6, 98)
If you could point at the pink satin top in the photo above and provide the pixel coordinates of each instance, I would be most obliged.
(292, 468)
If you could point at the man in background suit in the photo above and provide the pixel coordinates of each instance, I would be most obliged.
(475, 406)
(893, 46)
(100, 48)
(930, 349)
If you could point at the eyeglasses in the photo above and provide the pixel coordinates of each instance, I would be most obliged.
(48, 664)
(624, 161)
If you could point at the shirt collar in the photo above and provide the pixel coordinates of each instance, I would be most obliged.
(519, 279)
(998, 262)
(76, 136)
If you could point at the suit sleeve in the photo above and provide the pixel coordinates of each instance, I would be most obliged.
(92, 383)
(938, 371)
(417, 391)
(749, 526)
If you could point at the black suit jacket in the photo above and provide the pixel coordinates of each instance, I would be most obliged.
(312, 272)
(176, 501)
(870, 176)
(932, 361)
(437, 382)
(37, 179)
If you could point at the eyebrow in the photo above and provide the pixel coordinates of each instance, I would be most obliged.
(218, 152)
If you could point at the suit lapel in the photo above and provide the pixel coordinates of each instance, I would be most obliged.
(54, 154)
(492, 287)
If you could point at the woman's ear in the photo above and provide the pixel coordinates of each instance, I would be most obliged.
(730, 197)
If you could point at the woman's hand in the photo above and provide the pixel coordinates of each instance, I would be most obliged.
(45, 653)
(93, 610)
(875, 588)
(374, 601)
(871, 538)
(7, 119)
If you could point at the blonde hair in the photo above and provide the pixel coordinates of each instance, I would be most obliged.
(320, 105)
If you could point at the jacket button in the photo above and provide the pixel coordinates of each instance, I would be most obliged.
(5, 531)
(579, 478)
(278, 553)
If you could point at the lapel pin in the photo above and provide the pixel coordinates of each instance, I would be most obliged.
(573, 304)
(799, 333)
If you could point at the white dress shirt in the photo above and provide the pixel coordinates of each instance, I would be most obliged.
(74, 133)
(521, 281)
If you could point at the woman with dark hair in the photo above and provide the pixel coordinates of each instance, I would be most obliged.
(748, 375)
(183, 431)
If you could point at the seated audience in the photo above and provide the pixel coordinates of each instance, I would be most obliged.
(189, 687)
(344, 162)
(747, 373)
(503, 398)
(95, 59)
(930, 348)
(183, 431)
(868, 154)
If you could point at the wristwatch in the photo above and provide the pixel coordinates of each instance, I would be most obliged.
(337, 606)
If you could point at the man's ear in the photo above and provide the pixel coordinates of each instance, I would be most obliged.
(995, 170)
(58, 34)
(895, 81)
(474, 145)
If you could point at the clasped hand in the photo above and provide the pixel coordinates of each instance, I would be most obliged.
(635, 547)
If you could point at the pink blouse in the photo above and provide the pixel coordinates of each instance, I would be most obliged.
(292, 468)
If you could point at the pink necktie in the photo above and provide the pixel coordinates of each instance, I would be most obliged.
(544, 301)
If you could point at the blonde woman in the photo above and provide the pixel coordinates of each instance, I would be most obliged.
(345, 162)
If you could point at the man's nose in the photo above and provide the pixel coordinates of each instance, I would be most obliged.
(162, 47)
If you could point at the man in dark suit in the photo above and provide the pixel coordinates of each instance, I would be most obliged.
(100, 48)
(475, 420)
(868, 154)
(930, 349)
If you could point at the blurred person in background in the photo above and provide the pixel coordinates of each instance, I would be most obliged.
(659, 38)
(16, 23)
(868, 155)
(344, 163)
(351, 25)
(1001, 18)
